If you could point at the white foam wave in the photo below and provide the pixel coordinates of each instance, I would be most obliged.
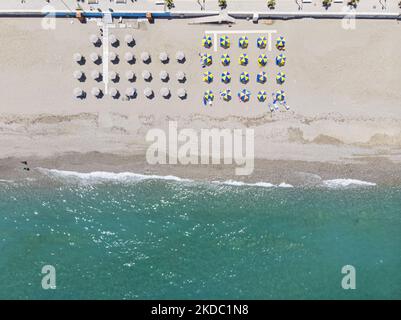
(338, 183)
(256, 184)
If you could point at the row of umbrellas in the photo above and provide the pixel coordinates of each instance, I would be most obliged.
(207, 59)
(244, 96)
(129, 57)
(130, 75)
(243, 42)
(96, 41)
(261, 77)
(130, 92)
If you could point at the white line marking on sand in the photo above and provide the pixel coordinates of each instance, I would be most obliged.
(106, 58)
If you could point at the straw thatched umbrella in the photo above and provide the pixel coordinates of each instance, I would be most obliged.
(129, 39)
(113, 76)
(163, 57)
(113, 56)
(148, 92)
(78, 92)
(78, 57)
(94, 57)
(164, 75)
(180, 76)
(130, 75)
(94, 39)
(114, 92)
(165, 92)
(130, 92)
(146, 75)
(95, 91)
(95, 75)
(78, 74)
(182, 93)
(180, 56)
(145, 56)
(113, 40)
(129, 57)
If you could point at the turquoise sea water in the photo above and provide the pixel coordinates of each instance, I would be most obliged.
(179, 240)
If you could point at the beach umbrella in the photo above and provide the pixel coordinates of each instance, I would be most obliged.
(180, 56)
(280, 77)
(261, 77)
(78, 74)
(262, 95)
(281, 59)
(280, 44)
(226, 77)
(225, 59)
(129, 39)
(113, 56)
(145, 56)
(165, 92)
(146, 75)
(95, 75)
(94, 57)
(280, 95)
(243, 42)
(225, 42)
(94, 39)
(206, 59)
(129, 57)
(113, 40)
(114, 92)
(262, 59)
(95, 92)
(163, 75)
(182, 93)
(226, 94)
(163, 56)
(244, 95)
(243, 59)
(113, 76)
(244, 77)
(208, 96)
(78, 92)
(207, 41)
(261, 42)
(130, 75)
(148, 92)
(180, 76)
(77, 57)
(208, 77)
(130, 92)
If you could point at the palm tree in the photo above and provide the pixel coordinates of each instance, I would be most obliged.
(327, 3)
(223, 4)
(271, 4)
(353, 3)
(169, 3)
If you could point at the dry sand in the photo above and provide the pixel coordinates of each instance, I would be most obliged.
(343, 87)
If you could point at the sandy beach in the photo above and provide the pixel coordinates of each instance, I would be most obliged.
(342, 86)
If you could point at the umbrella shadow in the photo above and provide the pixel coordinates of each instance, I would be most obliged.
(166, 61)
(82, 78)
(131, 44)
(117, 96)
(98, 61)
(100, 95)
(132, 61)
(99, 78)
(166, 79)
(182, 80)
(149, 79)
(117, 79)
(167, 97)
(183, 60)
(148, 61)
(133, 79)
(116, 44)
(82, 61)
(183, 97)
(116, 60)
(152, 96)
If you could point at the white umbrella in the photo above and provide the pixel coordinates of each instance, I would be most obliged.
(129, 56)
(95, 91)
(148, 92)
(163, 75)
(180, 56)
(113, 75)
(129, 39)
(78, 74)
(163, 57)
(130, 75)
(77, 57)
(146, 75)
(165, 92)
(114, 92)
(182, 93)
(94, 57)
(95, 74)
(180, 76)
(113, 39)
(78, 92)
(130, 92)
(94, 39)
(145, 56)
(113, 56)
